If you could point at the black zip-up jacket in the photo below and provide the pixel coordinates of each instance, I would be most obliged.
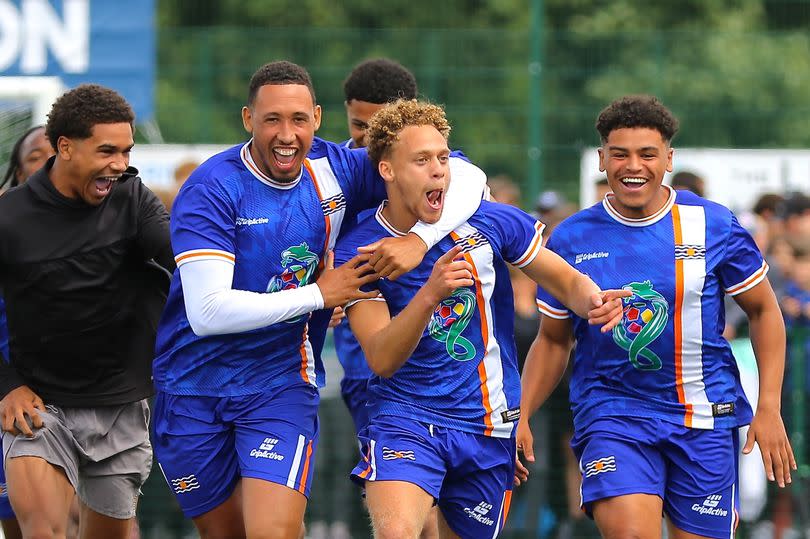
(84, 287)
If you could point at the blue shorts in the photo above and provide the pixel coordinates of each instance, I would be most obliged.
(469, 475)
(204, 445)
(355, 394)
(6, 511)
(693, 471)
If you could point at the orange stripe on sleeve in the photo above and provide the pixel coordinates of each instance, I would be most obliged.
(185, 256)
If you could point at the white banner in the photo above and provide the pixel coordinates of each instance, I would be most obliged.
(156, 163)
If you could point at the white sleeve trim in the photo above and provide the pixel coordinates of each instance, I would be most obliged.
(533, 249)
(214, 308)
(750, 282)
(547, 310)
(354, 302)
(467, 187)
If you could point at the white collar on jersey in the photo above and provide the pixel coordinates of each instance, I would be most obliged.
(384, 222)
(247, 159)
(643, 221)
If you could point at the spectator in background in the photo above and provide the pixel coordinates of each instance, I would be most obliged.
(181, 173)
(769, 207)
(504, 190)
(28, 155)
(797, 218)
(689, 181)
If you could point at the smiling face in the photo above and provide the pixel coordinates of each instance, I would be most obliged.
(635, 160)
(417, 172)
(282, 119)
(93, 165)
(34, 153)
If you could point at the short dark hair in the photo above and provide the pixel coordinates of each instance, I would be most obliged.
(15, 159)
(280, 72)
(637, 111)
(379, 81)
(76, 112)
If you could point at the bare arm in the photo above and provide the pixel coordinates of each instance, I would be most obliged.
(576, 290)
(388, 342)
(768, 341)
(542, 372)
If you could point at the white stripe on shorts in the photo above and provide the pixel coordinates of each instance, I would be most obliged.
(296, 461)
(371, 448)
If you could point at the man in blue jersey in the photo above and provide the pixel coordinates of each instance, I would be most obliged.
(236, 375)
(439, 339)
(657, 402)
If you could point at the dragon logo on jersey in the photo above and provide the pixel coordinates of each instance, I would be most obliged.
(645, 316)
(450, 318)
(299, 265)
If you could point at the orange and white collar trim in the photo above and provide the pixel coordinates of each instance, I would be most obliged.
(384, 222)
(643, 221)
(247, 160)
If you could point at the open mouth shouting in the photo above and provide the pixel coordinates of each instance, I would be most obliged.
(103, 185)
(284, 158)
(435, 199)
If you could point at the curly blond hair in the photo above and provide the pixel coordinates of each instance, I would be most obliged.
(386, 124)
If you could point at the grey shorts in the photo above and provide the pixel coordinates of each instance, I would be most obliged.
(104, 451)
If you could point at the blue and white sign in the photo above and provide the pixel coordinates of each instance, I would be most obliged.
(108, 42)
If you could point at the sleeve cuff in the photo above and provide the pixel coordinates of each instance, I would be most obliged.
(750, 282)
(552, 312)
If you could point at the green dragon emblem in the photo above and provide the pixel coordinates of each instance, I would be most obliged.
(299, 265)
(644, 319)
(450, 318)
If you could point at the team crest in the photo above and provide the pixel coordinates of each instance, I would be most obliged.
(644, 319)
(299, 265)
(450, 318)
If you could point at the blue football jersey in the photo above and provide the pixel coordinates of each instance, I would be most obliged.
(276, 235)
(463, 373)
(667, 359)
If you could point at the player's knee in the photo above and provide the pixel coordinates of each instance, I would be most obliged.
(395, 529)
(625, 532)
(36, 528)
(281, 530)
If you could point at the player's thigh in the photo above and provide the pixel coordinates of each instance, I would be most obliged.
(286, 518)
(630, 515)
(225, 520)
(40, 494)
(444, 529)
(477, 491)
(702, 497)
(398, 509)
(196, 452)
(93, 524)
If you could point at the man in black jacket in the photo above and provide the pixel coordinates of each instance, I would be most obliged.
(84, 263)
